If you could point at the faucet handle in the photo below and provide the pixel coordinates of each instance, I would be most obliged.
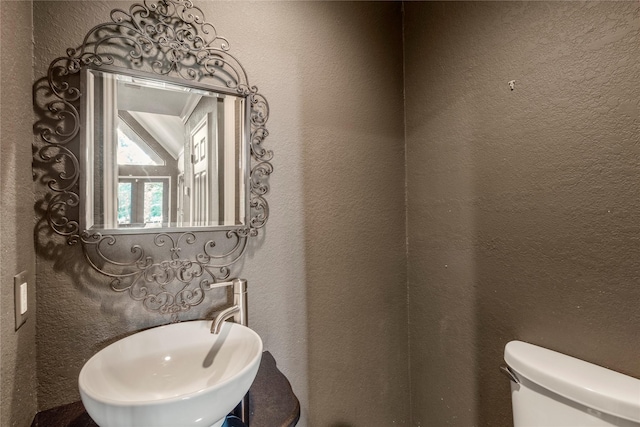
(221, 284)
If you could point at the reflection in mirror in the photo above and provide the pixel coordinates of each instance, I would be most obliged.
(161, 154)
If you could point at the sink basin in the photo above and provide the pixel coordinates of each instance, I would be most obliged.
(174, 375)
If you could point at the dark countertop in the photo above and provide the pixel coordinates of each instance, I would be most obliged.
(271, 403)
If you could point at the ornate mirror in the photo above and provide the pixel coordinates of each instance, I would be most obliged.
(151, 148)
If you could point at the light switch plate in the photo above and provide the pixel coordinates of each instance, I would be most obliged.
(20, 292)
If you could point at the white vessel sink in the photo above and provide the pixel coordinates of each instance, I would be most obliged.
(173, 375)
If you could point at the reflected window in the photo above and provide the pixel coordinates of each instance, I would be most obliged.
(153, 198)
(124, 203)
(132, 150)
(143, 202)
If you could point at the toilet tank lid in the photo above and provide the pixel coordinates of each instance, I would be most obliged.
(582, 382)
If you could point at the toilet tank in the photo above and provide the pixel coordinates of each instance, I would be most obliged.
(550, 389)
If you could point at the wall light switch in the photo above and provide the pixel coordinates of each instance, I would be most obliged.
(20, 290)
(23, 298)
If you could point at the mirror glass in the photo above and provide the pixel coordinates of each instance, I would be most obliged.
(160, 154)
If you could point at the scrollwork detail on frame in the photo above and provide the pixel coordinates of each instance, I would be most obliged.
(170, 38)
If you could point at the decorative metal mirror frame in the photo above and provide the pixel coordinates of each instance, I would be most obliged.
(172, 39)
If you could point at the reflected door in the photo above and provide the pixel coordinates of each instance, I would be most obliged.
(200, 200)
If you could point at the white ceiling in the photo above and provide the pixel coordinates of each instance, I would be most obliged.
(161, 111)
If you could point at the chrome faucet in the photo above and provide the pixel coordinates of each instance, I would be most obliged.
(238, 311)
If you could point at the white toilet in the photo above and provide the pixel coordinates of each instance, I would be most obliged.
(549, 389)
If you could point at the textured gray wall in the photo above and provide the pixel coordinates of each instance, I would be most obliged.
(18, 349)
(327, 279)
(522, 205)
(524, 209)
